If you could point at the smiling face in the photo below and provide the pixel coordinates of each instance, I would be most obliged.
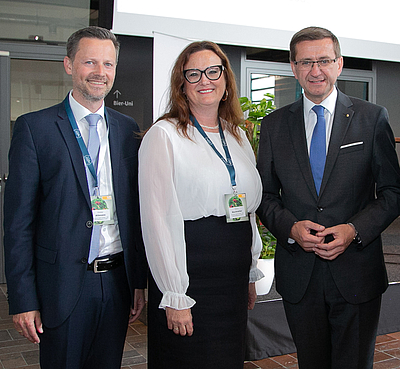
(317, 83)
(92, 71)
(204, 94)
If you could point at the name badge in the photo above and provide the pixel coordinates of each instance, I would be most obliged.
(236, 207)
(102, 209)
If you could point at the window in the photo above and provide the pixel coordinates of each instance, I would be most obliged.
(260, 77)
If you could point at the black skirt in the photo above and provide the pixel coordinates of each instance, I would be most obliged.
(218, 264)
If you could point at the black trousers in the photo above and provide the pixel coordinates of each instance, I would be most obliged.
(330, 333)
(94, 334)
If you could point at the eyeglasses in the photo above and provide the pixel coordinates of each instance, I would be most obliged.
(212, 73)
(309, 64)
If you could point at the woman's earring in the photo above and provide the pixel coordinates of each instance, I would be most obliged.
(225, 97)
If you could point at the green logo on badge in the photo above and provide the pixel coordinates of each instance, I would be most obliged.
(98, 204)
(235, 201)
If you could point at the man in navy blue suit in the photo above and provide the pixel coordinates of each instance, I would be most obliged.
(75, 263)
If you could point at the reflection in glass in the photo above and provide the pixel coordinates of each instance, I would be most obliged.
(45, 20)
(37, 84)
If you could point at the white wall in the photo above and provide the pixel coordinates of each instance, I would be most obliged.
(366, 28)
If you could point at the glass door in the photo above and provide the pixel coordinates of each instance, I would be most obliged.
(26, 85)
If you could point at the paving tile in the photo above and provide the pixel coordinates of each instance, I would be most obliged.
(384, 338)
(391, 345)
(388, 364)
(135, 339)
(24, 345)
(268, 364)
(381, 356)
(395, 335)
(140, 329)
(131, 353)
(10, 361)
(395, 353)
(139, 366)
(5, 336)
(133, 360)
(250, 365)
(287, 361)
(31, 357)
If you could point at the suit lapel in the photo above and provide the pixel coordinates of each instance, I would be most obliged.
(298, 136)
(74, 150)
(341, 122)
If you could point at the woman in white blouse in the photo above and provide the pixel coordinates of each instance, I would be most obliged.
(198, 198)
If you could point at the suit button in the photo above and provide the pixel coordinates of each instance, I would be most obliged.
(84, 261)
(89, 224)
(320, 210)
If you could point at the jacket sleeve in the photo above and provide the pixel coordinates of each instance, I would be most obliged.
(271, 211)
(379, 213)
(21, 199)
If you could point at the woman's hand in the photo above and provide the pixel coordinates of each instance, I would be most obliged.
(179, 321)
(252, 296)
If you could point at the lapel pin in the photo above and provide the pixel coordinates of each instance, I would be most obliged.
(347, 115)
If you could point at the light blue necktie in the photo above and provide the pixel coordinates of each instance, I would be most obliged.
(318, 147)
(93, 147)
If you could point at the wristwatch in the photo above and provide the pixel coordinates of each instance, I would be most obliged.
(357, 238)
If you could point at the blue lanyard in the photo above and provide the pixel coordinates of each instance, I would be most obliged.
(228, 161)
(86, 157)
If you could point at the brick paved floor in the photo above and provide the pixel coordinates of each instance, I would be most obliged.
(17, 352)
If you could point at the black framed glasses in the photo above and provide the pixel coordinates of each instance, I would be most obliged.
(309, 64)
(213, 73)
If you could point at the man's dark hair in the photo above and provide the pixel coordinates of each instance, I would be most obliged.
(90, 32)
(312, 34)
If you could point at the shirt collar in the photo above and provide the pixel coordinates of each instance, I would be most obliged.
(329, 103)
(80, 111)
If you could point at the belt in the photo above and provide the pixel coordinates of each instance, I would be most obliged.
(106, 263)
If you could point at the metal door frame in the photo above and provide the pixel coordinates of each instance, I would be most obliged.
(5, 116)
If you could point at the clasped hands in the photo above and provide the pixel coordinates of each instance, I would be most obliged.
(311, 237)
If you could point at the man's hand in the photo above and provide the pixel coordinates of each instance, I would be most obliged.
(343, 235)
(180, 321)
(139, 302)
(302, 233)
(28, 325)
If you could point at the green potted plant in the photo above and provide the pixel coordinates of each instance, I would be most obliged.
(255, 113)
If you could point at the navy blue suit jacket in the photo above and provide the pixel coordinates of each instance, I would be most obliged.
(47, 213)
(361, 184)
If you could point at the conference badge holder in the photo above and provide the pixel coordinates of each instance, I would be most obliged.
(102, 209)
(236, 207)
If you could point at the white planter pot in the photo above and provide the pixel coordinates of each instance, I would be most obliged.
(263, 286)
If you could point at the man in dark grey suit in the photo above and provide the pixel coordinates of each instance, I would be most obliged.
(75, 262)
(328, 193)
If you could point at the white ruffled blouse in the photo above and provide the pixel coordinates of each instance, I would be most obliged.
(182, 179)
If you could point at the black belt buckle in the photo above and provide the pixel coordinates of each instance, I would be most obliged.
(106, 263)
(96, 265)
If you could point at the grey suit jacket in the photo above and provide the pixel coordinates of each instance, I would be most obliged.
(361, 184)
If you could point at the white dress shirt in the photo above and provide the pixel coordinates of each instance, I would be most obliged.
(182, 179)
(310, 117)
(110, 241)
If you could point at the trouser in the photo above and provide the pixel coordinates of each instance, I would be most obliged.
(93, 336)
(330, 333)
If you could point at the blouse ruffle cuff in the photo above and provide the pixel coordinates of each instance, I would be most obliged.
(178, 301)
(255, 275)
